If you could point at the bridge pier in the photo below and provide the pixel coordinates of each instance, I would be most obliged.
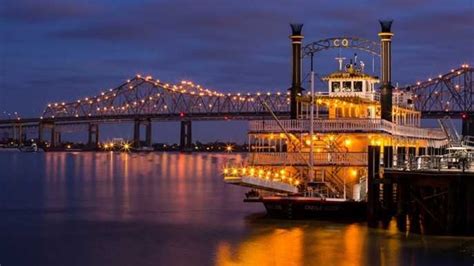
(148, 136)
(93, 136)
(18, 135)
(186, 140)
(136, 132)
(468, 126)
(40, 132)
(55, 137)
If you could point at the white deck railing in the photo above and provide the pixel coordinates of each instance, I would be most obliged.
(347, 125)
(373, 96)
(322, 158)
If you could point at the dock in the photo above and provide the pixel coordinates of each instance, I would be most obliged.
(431, 197)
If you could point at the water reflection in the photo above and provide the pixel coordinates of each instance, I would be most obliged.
(323, 243)
(174, 209)
(126, 185)
(273, 247)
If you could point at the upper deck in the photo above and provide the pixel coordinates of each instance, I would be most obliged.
(351, 94)
(354, 125)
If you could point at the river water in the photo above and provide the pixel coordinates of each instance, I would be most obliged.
(174, 209)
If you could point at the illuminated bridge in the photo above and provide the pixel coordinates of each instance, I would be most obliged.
(142, 100)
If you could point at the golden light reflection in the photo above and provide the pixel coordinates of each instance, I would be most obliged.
(315, 243)
(353, 240)
(275, 247)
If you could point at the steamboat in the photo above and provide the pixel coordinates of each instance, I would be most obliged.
(315, 163)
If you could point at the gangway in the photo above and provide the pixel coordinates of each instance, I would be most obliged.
(260, 183)
(449, 129)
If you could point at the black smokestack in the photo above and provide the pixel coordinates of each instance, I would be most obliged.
(386, 68)
(296, 39)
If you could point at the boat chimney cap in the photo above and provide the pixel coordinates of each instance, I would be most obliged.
(296, 28)
(386, 25)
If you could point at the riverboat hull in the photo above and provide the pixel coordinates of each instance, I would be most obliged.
(314, 208)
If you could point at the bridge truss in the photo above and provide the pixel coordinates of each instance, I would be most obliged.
(148, 96)
(450, 94)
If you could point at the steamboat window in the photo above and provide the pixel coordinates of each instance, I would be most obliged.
(346, 86)
(358, 86)
(335, 86)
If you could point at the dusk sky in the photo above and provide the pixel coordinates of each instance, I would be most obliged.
(60, 50)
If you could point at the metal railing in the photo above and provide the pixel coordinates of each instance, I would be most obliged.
(446, 162)
(468, 141)
(347, 125)
(373, 96)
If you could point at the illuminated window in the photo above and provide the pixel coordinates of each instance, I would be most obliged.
(358, 86)
(346, 86)
(335, 86)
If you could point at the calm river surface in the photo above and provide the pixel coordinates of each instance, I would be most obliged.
(174, 209)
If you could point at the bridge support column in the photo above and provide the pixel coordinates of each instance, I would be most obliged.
(55, 137)
(468, 126)
(18, 134)
(40, 132)
(136, 133)
(93, 140)
(186, 136)
(148, 133)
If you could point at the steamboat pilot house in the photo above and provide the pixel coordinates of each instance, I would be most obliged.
(332, 163)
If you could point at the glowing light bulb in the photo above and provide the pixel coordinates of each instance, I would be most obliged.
(347, 142)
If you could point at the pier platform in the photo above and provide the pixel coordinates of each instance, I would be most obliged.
(431, 200)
